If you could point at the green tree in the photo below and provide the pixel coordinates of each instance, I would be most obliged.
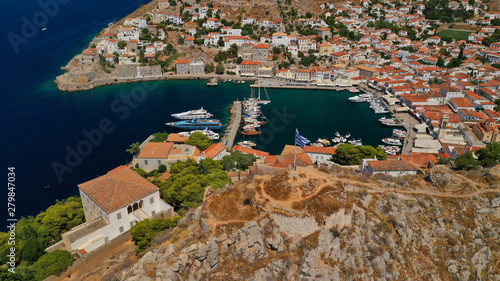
(497, 107)
(219, 69)
(209, 68)
(159, 137)
(348, 154)
(466, 161)
(143, 231)
(134, 148)
(239, 160)
(199, 140)
(220, 43)
(122, 45)
(185, 188)
(52, 263)
(239, 60)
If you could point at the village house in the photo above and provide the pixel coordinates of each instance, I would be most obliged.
(249, 68)
(189, 67)
(395, 168)
(215, 151)
(260, 52)
(319, 154)
(155, 154)
(112, 204)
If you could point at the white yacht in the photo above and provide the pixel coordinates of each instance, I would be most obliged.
(193, 114)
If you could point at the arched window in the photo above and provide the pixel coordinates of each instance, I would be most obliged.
(129, 209)
(135, 206)
(141, 203)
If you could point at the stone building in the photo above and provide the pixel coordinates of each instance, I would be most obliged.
(260, 52)
(189, 67)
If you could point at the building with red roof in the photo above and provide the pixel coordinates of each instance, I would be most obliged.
(216, 151)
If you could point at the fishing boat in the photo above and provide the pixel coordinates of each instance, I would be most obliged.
(390, 121)
(392, 141)
(250, 132)
(192, 114)
(390, 149)
(246, 143)
(397, 133)
(353, 90)
(197, 124)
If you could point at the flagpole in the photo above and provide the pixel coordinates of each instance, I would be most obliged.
(295, 151)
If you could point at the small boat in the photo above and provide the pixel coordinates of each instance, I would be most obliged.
(247, 143)
(192, 114)
(250, 132)
(353, 90)
(356, 142)
(390, 121)
(242, 81)
(348, 135)
(390, 149)
(337, 134)
(197, 124)
(397, 133)
(324, 142)
(392, 141)
(44, 28)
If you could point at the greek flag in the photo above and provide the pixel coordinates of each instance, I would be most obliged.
(300, 140)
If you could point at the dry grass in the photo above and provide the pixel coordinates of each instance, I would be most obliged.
(233, 205)
(323, 203)
(278, 187)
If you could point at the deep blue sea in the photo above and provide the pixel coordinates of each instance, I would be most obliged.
(43, 128)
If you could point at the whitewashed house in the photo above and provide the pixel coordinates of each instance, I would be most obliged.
(112, 203)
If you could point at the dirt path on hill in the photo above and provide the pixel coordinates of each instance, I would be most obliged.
(97, 267)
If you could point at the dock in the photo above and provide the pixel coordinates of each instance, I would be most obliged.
(233, 125)
(213, 82)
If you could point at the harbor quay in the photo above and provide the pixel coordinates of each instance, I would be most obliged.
(233, 125)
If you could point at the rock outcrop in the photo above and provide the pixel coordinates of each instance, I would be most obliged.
(307, 226)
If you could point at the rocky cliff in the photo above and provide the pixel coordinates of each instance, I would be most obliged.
(336, 225)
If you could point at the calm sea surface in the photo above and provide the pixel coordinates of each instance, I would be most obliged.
(43, 128)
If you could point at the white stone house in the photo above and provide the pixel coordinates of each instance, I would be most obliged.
(319, 154)
(216, 151)
(112, 204)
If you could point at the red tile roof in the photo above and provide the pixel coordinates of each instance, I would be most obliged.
(117, 189)
(322, 150)
(156, 150)
(250, 151)
(176, 138)
(214, 149)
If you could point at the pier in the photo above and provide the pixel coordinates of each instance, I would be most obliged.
(233, 125)
(213, 82)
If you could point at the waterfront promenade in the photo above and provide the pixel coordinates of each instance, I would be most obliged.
(233, 125)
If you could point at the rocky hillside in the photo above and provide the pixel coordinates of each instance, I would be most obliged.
(336, 225)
